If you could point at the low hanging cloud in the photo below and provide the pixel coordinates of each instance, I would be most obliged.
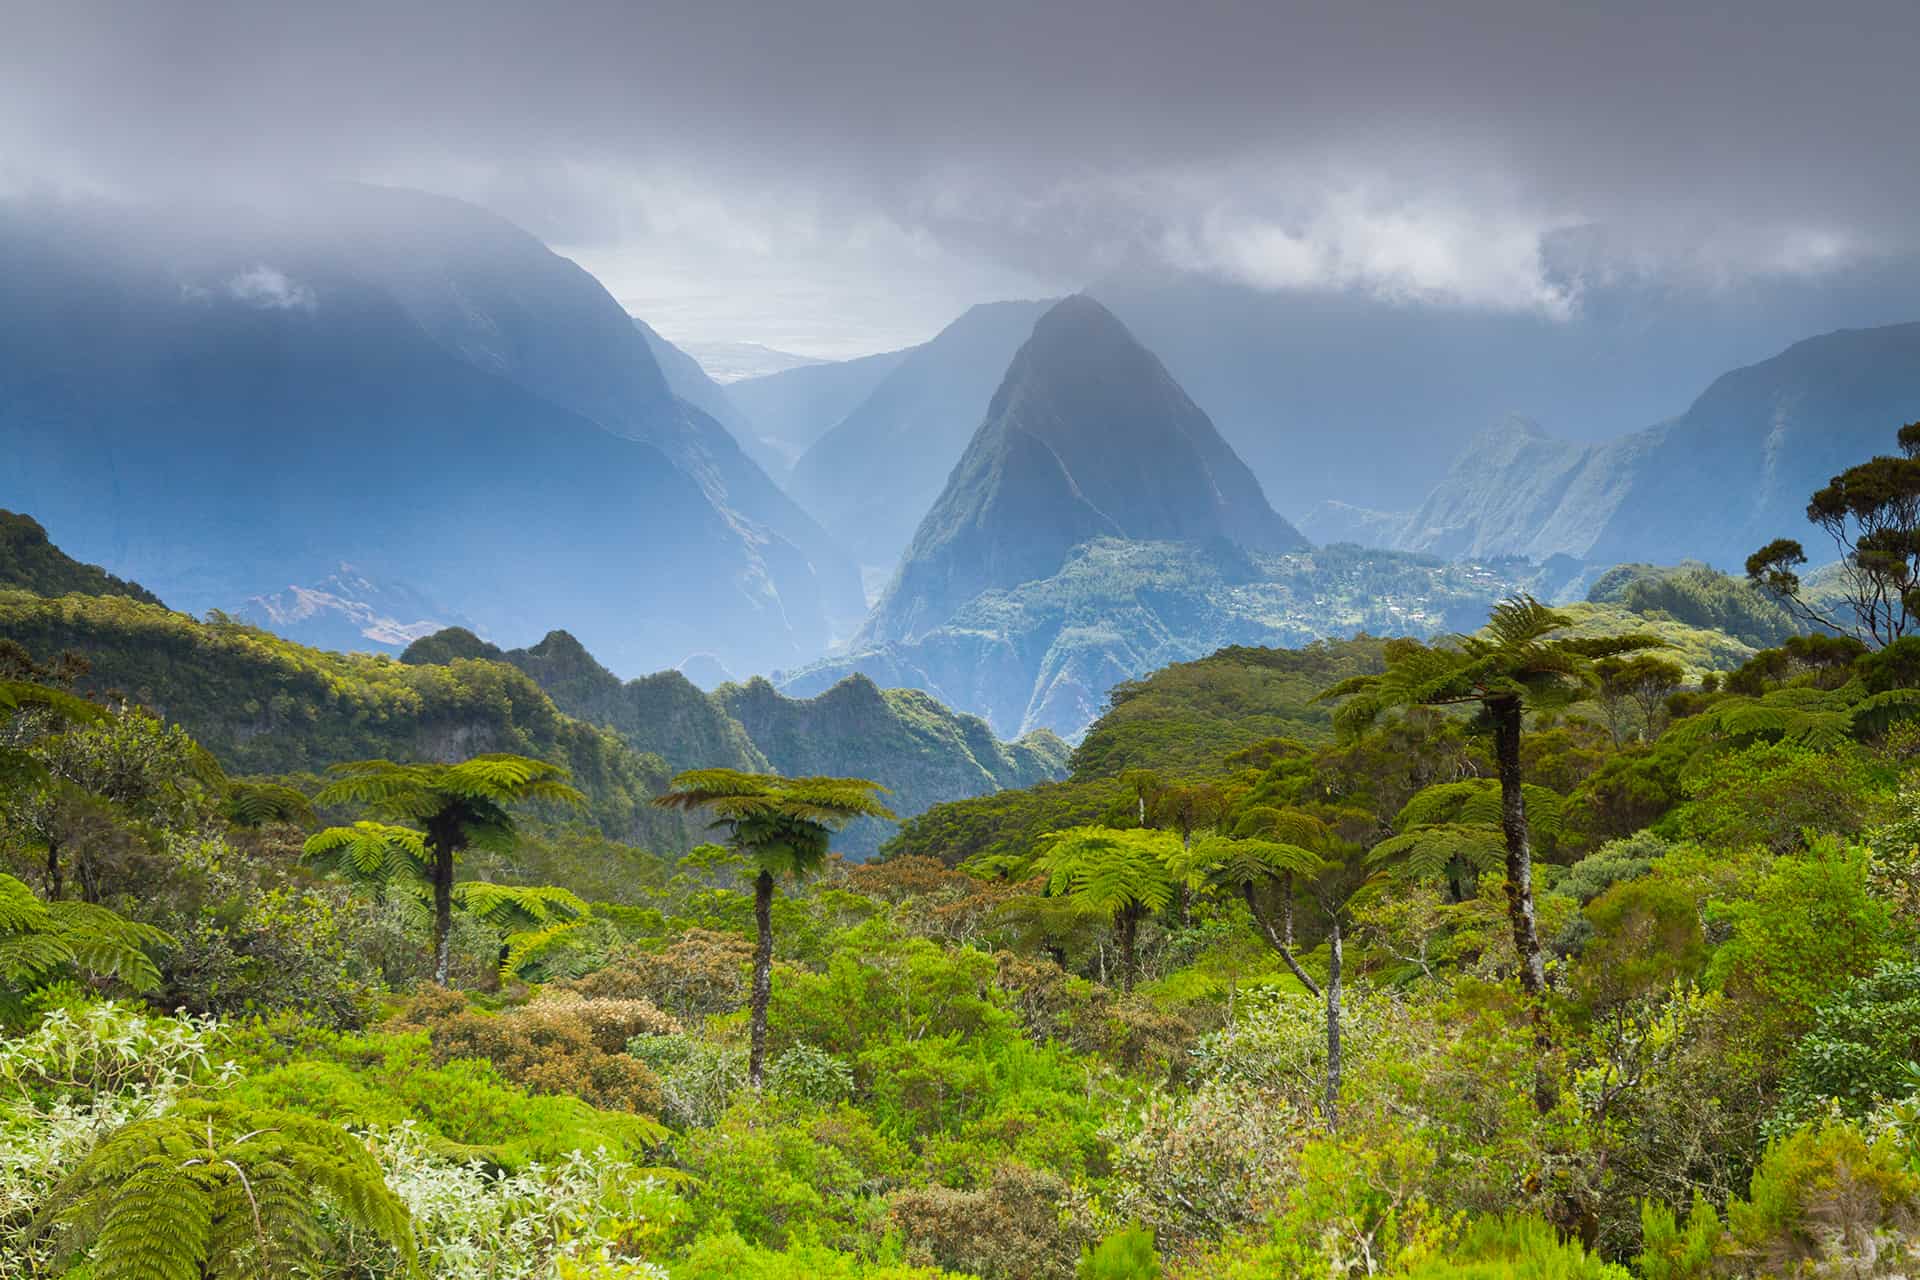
(1439, 154)
(269, 289)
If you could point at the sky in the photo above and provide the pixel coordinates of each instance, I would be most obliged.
(845, 176)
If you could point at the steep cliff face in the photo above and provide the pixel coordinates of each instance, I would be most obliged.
(873, 476)
(1729, 474)
(1087, 437)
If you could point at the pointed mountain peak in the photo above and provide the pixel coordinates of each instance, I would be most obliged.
(1088, 436)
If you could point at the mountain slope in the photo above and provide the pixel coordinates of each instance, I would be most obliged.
(918, 748)
(795, 407)
(1367, 399)
(222, 406)
(1044, 654)
(873, 476)
(29, 562)
(262, 704)
(1086, 437)
(1713, 484)
(923, 752)
(498, 298)
(691, 383)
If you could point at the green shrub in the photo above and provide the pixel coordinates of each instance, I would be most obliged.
(1125, 1255)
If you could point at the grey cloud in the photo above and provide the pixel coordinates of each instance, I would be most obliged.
(1425, 150)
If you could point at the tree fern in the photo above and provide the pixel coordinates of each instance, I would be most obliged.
(786, 826)
(255, 804)
(43, 942)
(460, 806)
(1124, 873)
(217, 1190)
(1799, 716)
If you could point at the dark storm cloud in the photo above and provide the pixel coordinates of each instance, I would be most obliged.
(1417, 147)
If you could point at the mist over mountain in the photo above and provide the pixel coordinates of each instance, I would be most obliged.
(1087, 437)
(794, 408)
(688, 380)
(875, 474)
(1715, 483)
(1367, 399)
(221, 402)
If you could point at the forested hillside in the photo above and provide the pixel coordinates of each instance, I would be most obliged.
(921, 751)
(29, 562)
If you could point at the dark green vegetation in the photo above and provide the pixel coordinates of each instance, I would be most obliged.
(921, 751)
(29, 562)
(263, 705)
(1697, 596)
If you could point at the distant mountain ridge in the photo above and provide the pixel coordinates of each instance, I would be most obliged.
(1087, 437)
(872, 477)
(350, 612)
(922, 751)
(794, 408)
(1043, 654)
(1715, 483)
(221, 402)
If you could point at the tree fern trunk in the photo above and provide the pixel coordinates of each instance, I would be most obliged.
(442, 910)
(1129, 930)
(762, 975)
(1286, 907)
(1333, 1026)
(56, 877)
(1506, 717)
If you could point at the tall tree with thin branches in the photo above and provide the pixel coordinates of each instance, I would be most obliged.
(784, 826)
(1871, 514)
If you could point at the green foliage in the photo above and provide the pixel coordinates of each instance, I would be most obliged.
(1696, 595)
(1861, 1048)
(1825, 1200)
(1186, 718)
(214, 1190)
(1109, 870)
(266, 706)
(1769, 794)
(43, 942)
(1810, 928)
(783, 823)
(1005, 825)
(1514, 1248)
(1124, 1255)
(1616, 861)
(384, 1079)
